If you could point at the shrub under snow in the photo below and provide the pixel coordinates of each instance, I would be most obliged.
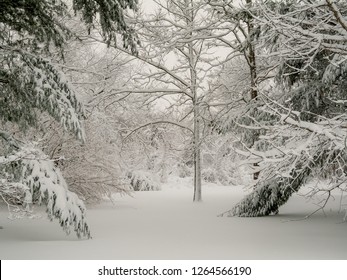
(143, 181)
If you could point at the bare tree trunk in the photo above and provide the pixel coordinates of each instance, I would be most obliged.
(193, 88)
(197, 158)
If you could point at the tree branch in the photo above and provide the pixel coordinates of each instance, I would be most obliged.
(337, 14)
(158, 122)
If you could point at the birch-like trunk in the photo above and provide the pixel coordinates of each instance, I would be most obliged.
(196, 112)
(197, 158)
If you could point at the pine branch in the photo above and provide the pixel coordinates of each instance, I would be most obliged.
(32, 170)
(270, 194)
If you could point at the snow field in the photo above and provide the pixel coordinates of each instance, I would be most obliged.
(167, 225)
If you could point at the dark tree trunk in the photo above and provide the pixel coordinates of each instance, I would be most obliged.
(251, 60)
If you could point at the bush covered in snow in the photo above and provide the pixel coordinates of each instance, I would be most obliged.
(143, 181)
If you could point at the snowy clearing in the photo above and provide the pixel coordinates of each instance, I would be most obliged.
(167, 225)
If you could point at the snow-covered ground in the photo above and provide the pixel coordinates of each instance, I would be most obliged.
(167, 225)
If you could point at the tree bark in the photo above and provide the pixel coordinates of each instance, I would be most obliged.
(196, 111)
(252, 69)
(197, 157)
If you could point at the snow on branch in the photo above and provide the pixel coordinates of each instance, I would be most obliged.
(330, 128)
(154, 64)
(43, 178)
(340, 19)
(28, 169)
(271, 193)
(35, 83)
(158, 122)
(301, 120)
(304, 148)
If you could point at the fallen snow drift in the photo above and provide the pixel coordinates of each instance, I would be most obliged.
(167, 225)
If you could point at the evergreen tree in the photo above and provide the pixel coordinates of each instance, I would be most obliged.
(30, 84)
(306, 101)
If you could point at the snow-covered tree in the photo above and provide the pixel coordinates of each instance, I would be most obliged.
(93, 170)
(244, 73)
(306, 102)
(31, 84)
(177, 57)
